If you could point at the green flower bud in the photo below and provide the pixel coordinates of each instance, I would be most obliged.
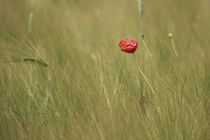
(170, 35)
(142, 35)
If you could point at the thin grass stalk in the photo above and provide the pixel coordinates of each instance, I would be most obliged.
(172, 42)
(144, 76)
(99, 68)
(170, 35)
(145, 45)
(35, 60)
(140, 7)
(30, 24)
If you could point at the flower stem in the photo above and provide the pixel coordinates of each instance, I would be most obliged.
(145, 45)
(144, 76)
(172, 42)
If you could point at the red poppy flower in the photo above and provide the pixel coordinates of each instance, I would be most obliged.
(128, 45)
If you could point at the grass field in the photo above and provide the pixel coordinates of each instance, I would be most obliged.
(63, 75)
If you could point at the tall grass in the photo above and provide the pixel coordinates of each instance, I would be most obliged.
(90, 89)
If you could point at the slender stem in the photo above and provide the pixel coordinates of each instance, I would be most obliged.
(182, 90)
(172, 42)
(145, 45)
(30, 24)
(144, 76)
(140, 7)
(99, 68)
(106, 96)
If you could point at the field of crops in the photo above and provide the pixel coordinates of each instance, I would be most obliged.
(64, 76)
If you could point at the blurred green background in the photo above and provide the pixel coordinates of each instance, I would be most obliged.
(92, 90)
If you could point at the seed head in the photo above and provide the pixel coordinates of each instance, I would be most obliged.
(170, 35)
(142, 35)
